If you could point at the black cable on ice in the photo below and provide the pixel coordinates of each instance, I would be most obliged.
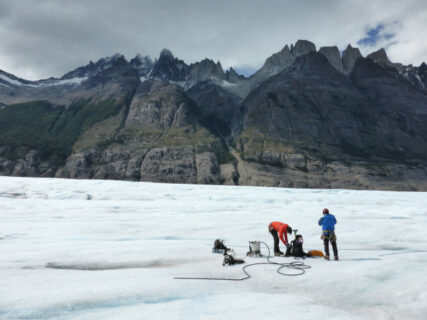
(295, 265)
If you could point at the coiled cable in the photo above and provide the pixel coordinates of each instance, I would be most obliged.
(294, 265)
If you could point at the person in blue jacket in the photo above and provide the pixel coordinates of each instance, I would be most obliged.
(328, 222)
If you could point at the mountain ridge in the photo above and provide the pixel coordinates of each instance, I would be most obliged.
(307, 118)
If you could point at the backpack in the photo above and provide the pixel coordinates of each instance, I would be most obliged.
(219, 244)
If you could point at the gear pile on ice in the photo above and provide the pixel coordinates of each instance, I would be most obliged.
(219, 246)
(229, 259)
(254, 249)
(229, 254)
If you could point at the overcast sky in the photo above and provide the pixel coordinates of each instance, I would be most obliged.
(40, 39)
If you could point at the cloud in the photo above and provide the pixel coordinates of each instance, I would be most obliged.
(246, 70)
(48, 38)
(374, 35)
(381, 36)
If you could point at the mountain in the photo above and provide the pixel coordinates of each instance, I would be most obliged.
(349, 58)
(312, 118)
(307, 118)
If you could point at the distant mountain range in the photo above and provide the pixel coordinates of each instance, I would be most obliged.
(308, 119)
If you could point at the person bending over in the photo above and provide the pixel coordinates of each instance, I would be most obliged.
(279, 230)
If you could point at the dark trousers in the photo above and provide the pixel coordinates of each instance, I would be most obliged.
(276, 240)
(333, 243)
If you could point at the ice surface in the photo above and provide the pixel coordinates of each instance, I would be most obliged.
(89, 249)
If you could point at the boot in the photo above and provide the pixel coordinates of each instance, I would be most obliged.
(278, 254)
(326, 257)
(336, 258)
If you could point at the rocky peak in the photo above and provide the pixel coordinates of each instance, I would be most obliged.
(380, 57)
(285, 57)
(232, 76)
(142, 64)
(277, 63)
(93, 69)
(302, 47)
(349, 58)
(166, 53)
(119, 61)
(206, 69)
(334, 57)
(169, 68)
(279, 60)
(219, 70)
(422, 72)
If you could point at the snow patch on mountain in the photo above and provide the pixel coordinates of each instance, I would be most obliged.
(2, 84)
(65, 82)
(43, 83)
(11, 81)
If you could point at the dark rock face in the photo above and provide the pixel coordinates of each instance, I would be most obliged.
(380, 57)
(423, 74)
(349, 58)
(308, 106)
(219, 107)
(310, 116)
(334, 57)
(142, 64)
(401, 107)
(302, 47)
(280, 61)
(233, 77)
(92, 69)
(170, 68)
(205, 70)
(312, 101)
(305, 119)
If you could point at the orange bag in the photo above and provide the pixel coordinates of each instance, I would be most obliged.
(315, 253)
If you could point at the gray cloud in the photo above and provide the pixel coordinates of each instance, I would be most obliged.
(48, 38)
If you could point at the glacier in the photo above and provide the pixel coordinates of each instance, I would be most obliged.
(92, 249)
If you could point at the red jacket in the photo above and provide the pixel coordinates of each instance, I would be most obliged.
(280, 227)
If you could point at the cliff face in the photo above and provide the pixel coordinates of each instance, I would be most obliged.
(306, 119)
(319, 128)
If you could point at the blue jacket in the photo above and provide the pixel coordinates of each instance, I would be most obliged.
(328, 222)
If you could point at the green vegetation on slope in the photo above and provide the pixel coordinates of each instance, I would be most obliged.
(52, 129)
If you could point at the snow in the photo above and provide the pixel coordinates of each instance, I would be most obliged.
(227, 84)
(89, 249)
(44, 83)
(2, 84)
(419, 80)
(11, 81)
(66, 82)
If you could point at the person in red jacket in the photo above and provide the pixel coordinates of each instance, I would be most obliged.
(279, 230)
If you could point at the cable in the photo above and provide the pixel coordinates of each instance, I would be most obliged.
(295, 265)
